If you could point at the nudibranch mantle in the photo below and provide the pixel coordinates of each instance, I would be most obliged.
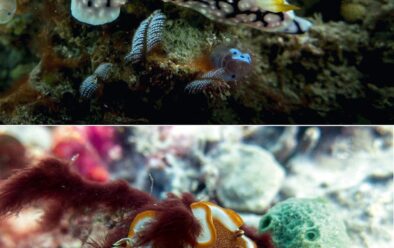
(220, 227)
(140, 221)
(266, 15)
(96, 12)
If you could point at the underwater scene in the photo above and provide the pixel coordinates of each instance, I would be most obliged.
(196, 187)
(196, 61)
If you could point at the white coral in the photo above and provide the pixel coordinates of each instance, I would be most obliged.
(96, 12)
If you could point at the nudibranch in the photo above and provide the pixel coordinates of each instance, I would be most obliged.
(220, 227)
(235, 63)
(229, 64)
(266, 15)
(7, 10)
(96, 12)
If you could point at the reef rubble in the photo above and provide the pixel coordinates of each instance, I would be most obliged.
(335, 73)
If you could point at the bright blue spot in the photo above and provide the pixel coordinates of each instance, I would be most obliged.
(235, 52)
(237, 55)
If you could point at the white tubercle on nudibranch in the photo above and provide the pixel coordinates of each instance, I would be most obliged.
(7, 10)
(96, 12)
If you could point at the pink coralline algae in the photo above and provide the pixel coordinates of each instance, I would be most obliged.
(91, 148)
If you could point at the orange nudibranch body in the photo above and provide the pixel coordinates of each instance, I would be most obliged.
(220, 226)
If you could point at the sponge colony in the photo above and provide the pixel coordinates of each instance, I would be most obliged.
(304, 223)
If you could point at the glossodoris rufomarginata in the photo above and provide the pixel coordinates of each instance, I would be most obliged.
(220, 227)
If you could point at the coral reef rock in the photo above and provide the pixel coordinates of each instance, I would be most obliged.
(249, 177)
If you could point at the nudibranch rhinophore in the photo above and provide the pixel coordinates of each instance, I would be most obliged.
(266, 15)
(220, 227)
(147, 36)
(7, 10)
(90, 85)
(96, 12)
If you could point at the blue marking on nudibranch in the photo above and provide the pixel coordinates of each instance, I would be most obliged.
(237, 55)
(147, 36)
(236, 64)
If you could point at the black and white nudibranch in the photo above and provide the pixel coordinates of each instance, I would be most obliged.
(90, 85)
(265, 15)
(147, 36)
(96, 12)
(230, 64)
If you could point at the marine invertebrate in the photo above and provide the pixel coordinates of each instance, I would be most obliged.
(7, 10)
(176, 222)
(212, 81)
(103, 71)
(230, 64)
(266, 15)
(236, 64)
(219, 228)
(90, 85)
(96, 12)
(305, 223)
(147, 36)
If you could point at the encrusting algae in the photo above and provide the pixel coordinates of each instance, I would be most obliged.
(326, 75)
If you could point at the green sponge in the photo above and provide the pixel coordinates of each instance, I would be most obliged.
(304, 223)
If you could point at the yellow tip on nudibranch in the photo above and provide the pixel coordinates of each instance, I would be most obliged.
(275, 5)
